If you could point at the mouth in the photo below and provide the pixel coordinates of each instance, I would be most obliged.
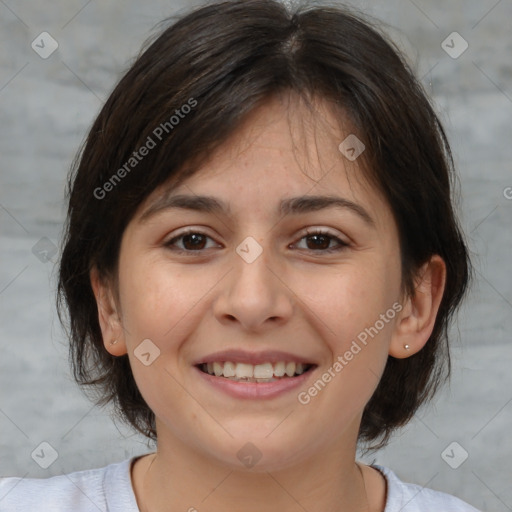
(259, 373)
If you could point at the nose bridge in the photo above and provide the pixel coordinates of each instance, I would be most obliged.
(254, 294)
(253, 279)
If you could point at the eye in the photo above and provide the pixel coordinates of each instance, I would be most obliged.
(196, 241)
(320, 240)
(193, 241)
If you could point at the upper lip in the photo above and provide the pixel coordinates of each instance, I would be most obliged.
(242, 356)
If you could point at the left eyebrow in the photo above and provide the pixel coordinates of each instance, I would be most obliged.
(291, 206)
(306, 204)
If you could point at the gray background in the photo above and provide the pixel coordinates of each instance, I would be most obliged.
(46, 108)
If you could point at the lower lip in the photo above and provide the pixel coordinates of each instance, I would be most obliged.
(255, 390)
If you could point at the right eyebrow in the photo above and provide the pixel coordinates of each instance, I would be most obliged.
(205, 204)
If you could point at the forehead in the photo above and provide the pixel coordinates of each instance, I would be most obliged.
(282, 149)
(284, 136)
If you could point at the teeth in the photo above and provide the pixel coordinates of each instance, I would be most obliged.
(263, 371)
(244, 370)
(229, 369)
(290, 369)
(279, 369)
(254, 373)
(217, 369)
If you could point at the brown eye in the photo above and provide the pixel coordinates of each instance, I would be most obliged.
(316, 241)
(320, 241)
(194, 241)
(191, 241)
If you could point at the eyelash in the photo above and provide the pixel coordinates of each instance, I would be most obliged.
(341, 244)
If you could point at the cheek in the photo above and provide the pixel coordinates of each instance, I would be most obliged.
(346, 301)
(351, 310)
(161, 301)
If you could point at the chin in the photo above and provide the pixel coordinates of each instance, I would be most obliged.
(263, 453)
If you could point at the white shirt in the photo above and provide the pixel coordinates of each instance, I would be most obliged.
(110, 489)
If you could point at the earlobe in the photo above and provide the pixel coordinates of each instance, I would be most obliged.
(417, 319)
(108, 317)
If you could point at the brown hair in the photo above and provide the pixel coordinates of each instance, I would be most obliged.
(223, 60)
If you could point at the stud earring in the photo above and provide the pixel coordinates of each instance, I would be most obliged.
(407, 347)
(113, 342)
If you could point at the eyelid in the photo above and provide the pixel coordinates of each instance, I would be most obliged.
(340, 239)
(188, 231)
(310, 231)
(326, 231)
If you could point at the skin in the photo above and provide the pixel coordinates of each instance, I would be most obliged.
(294, 297)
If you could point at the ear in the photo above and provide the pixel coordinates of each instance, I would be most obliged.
(108, 316)
(417, 318)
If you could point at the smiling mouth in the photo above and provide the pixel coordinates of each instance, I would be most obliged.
(266, 372)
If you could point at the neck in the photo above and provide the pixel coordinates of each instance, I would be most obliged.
(188, 480)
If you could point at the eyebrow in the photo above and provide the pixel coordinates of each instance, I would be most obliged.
(290, 206)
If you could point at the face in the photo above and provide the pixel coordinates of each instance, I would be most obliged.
(254, 287)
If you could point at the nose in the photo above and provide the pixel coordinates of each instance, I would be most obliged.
(254, 294)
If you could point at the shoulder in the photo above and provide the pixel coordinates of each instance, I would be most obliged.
(107, 488)
(405, 497)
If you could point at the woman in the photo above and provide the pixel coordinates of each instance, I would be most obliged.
(260, 265)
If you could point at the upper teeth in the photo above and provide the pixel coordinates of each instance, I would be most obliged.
(258, 371)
